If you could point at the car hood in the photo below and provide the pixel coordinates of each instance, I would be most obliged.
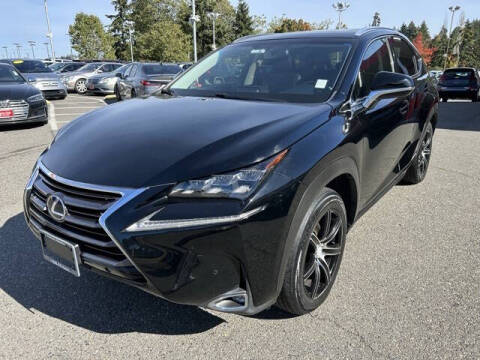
(103, 75)
(154, 141)
(77, 73)
(16, 91)
(41, 76)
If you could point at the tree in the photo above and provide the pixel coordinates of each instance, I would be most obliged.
(89, 38)
(470, 47)
(404, 29)
(423, 29)
(439, 43)
(284, 24)
(223, 25)
(119, 28)
(243, 25)
(425, 51)
(165, 41)
(146, 13)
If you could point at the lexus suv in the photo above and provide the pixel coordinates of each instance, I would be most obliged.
(234, 187)
(459, 83)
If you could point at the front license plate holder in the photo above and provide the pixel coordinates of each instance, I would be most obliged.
(61, 253)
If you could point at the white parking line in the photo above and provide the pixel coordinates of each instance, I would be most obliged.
(78, 107)
(70, 114)
(51, 117)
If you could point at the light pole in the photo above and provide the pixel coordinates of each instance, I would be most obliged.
(6, 51)
(48, 52)
(214, 16)
(452, 9)
(32, 45)
(340, 6)
(130, 30)
(49, 34)
(193, 20)
(18, 46)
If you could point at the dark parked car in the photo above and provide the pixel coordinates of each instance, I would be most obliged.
(144, 79)
(234, 187)
(459, 83)
(20, 102)
(66, 67)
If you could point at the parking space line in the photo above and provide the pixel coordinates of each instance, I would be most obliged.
(78, 107)
(51, 117)
(70, 114)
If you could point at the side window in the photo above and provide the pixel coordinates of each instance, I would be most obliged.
(126, 70)
(404, 57)
(107, 68)
(133, 71)
(377, 58)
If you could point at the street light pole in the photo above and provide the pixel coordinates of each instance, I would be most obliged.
(49, 34)
(18, 46)
(214, 16)
(32, 45)
(340, 6)
(452, 9)
(194, 19)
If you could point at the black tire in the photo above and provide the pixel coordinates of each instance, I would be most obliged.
(444, 99)
(133, 94)
(475, 98)
(418, 169)
(81, 86)
(117, 93)
(301, 292)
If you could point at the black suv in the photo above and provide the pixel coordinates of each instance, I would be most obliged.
(459, 83)
(234, 187)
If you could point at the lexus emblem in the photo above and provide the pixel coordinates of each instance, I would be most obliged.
(56, 207)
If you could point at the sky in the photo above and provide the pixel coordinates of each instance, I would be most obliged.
(24, 20)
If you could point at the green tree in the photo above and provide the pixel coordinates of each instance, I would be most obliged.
(165, 41)
(439, 43)
(119, 28)
(243, 24)
(146, 13)
(404, 29)
(89, 38)
(412, 31)
(223, 26)
(423, 29)
(469, 47)
(283, 24)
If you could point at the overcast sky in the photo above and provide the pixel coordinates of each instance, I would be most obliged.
(24, 20)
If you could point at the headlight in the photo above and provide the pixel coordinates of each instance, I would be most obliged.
(35, 98)
(238, 184)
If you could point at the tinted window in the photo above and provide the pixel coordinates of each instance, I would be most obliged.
(133, 71)
(9, 74)
(376, 59)
(404, 57)
(115, 66)
(291, 70)
(156, 69)
(31, 66)
(90, 67)
(57, 66)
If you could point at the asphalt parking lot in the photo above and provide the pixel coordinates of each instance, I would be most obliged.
(408, 288)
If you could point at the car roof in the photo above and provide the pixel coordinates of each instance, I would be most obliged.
(369, 32)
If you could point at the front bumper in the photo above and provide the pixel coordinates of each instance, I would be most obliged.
(206, 266)
(51, 89)
(27, 113)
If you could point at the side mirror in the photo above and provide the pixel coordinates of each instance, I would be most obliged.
(388, 84)
(119, 75)
(99, 71)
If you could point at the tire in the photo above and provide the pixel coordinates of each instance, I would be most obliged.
(81, 86)
(444, 99)
(117, 93)
(475, 98)
(133, 94)
(306, 284)
(418, 169)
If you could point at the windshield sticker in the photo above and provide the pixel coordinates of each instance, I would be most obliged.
(258, 51)
(321, 84)
(18, 61)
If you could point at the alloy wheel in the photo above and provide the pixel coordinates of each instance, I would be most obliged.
(425, 153)
(81, 86)
(323, 253)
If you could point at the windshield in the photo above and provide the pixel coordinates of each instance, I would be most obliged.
(9, 74)
(57, 66)
(31, 66)
(90, 67)
(291, 70)
(156, 69)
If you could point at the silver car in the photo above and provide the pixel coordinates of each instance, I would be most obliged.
(143, 79)
(105, 83)
(77, 80)
(40, 76)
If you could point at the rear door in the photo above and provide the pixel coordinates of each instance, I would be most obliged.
(384, 125)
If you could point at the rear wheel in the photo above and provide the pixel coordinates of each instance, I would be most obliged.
(133, 94)
(117, 93)
(475, 98)
(81, 86)
(315, 260)
(419, 167)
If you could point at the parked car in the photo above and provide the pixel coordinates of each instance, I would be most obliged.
(77, 80)
(105, 83)
(20, 102)
(66, 67)
(435, 74)
(459, 83)
(234, 187)
(145, 78)
(40, 76)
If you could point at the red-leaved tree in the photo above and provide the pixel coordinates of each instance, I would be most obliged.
(424, 50)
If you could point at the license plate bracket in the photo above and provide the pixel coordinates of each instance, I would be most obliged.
(61, 253)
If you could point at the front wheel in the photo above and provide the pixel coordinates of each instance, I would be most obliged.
(117, 93)
(315, 260)
(81, 86)
(418, 169)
